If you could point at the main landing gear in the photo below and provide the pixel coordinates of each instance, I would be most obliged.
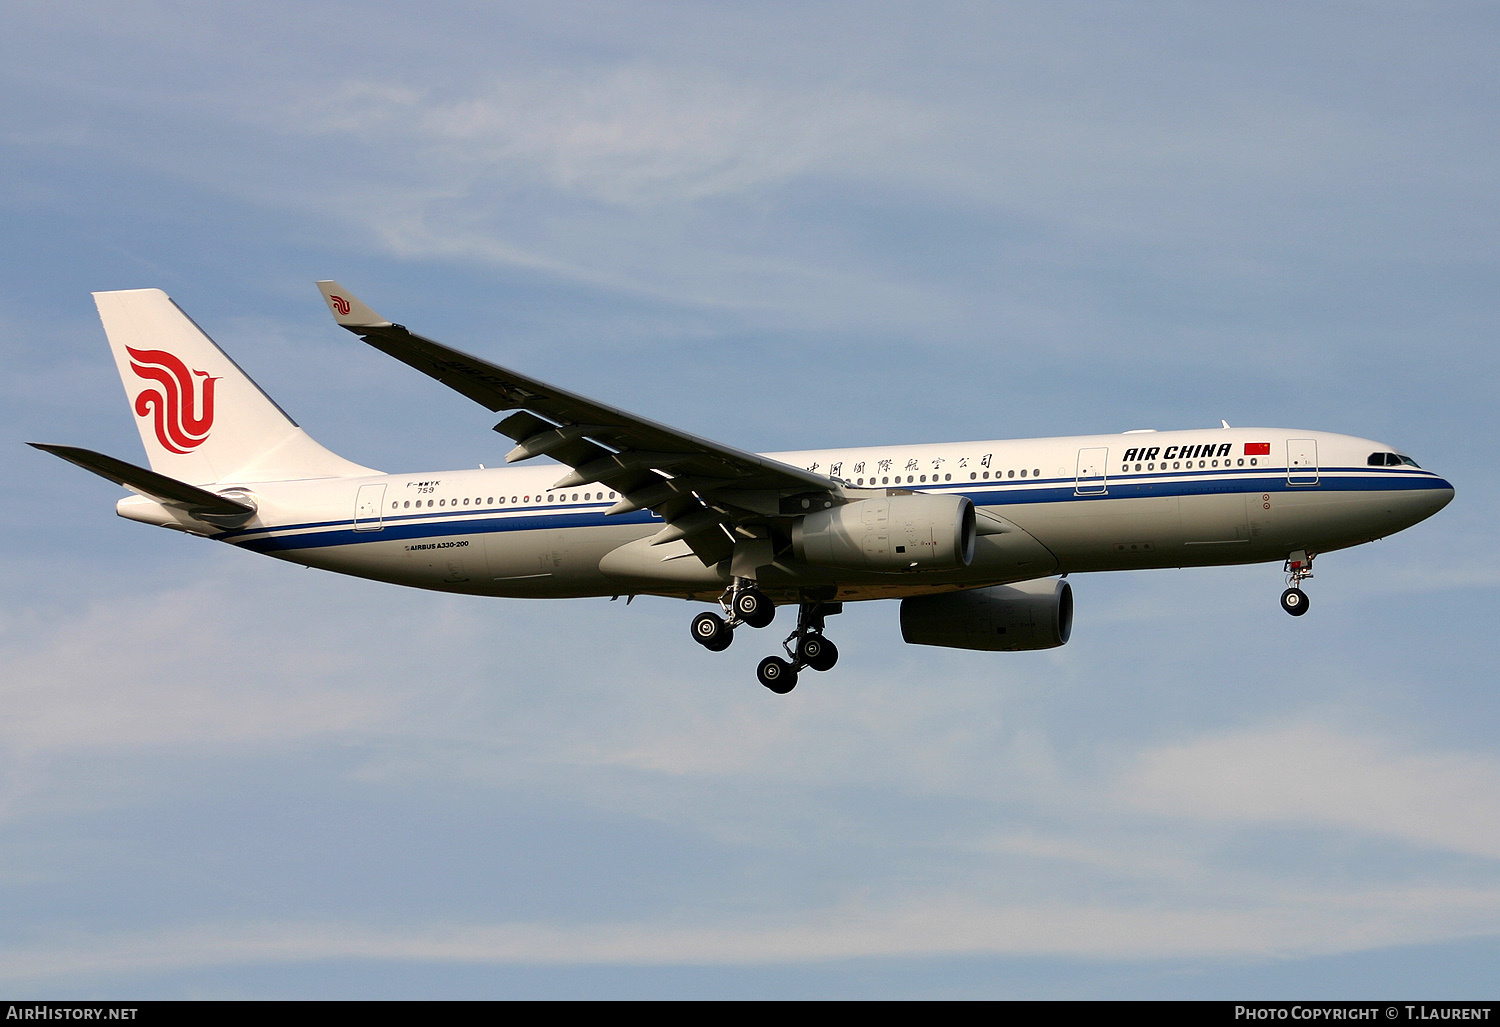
(1298, 568)
(743, 603)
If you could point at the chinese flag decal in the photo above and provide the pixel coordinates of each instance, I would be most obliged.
(1257, 449)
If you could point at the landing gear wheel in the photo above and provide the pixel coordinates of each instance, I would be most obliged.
(817, 652)
(752, 607)
(777, 675)
(710, 631)
(1294, 601)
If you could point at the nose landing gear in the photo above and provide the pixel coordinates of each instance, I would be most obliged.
(1298, 568)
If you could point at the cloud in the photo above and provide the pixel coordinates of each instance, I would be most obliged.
(1297, 925)
(1314, 777)
(169, 669)
(630, 135)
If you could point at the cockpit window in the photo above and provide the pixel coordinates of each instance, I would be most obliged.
(1403, 459)
(1376, 460)
(1391, 460)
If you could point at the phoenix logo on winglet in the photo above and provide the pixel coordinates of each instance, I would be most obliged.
(182, 415)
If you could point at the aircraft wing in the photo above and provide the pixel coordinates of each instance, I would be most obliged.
(708, 493)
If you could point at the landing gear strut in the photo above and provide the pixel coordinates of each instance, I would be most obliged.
(1298, 568)
(806, 646)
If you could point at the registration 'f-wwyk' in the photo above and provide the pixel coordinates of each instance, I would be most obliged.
(974, 539)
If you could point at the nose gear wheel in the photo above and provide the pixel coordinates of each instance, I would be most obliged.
(1298, 569)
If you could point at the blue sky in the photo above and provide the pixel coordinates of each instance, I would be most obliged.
(782, 226)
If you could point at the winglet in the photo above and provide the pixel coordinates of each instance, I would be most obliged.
(347, 309)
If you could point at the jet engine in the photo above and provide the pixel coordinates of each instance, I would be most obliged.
(894, 533)
(1027, 615)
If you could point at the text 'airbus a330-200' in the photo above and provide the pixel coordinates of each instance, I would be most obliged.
(974, 538)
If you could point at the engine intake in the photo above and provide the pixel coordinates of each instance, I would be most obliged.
(1027, 615)
(895, 533)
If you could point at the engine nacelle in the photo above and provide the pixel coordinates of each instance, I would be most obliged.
(1027, 615)
(894, 533)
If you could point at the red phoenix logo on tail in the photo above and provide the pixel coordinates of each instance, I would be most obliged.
(183, 415)
(340, 304)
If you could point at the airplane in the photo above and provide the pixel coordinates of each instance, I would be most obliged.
(976, 539)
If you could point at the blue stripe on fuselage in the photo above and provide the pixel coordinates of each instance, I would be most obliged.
(1054, 490)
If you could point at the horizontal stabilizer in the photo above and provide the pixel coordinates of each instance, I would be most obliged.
(149, 483)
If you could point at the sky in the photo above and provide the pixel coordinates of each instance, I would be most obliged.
(781, 226)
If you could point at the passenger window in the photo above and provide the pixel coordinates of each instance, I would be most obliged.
(1023, 472)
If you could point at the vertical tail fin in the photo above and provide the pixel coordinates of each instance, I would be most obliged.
(201, 418)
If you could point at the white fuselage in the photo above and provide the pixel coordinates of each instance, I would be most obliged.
(1047, 506)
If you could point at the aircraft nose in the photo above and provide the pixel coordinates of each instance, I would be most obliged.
(1420, 504)
(1442, 494)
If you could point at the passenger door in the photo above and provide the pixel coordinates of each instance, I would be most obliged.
(369, 508)
(1092, 473)
(1301, 461)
